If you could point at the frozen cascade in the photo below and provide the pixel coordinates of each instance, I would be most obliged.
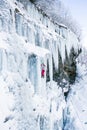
(29, 55)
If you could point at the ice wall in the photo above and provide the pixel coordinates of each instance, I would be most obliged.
(29, 38)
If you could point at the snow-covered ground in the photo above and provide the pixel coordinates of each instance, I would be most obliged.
(21, 109)
(77, 102)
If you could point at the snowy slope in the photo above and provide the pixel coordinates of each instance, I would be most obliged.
(77, 102)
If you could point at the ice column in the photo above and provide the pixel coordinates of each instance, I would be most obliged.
(50, 68)
(43, 80)
(39, 75)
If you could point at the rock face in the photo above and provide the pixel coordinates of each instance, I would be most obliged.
(67, 70)
(70, 65)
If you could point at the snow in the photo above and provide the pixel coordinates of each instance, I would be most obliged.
(77, 102)
(6, 106)
(17, 100)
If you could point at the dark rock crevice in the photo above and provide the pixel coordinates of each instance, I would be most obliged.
(66, 73)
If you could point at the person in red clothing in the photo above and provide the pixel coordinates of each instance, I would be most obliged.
(42, 70)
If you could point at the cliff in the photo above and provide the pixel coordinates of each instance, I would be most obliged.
(29, 43)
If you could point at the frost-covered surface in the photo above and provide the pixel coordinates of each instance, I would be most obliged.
(27, 39)
(11, 100)
(20, 109)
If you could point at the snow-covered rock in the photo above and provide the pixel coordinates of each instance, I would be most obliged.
(76, 110)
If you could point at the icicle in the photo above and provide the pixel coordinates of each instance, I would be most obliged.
(39, 75)
(50, 69)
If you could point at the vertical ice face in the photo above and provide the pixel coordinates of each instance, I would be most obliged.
(50, 68)
(46, 43)
(38, 41)
(47, 72)
(36, 28)
(32, 70)
(19, 21)
(55, 53)
(39, 83)
(26, 26)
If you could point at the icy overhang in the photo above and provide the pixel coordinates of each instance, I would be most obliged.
(39, 51)
(14, 43)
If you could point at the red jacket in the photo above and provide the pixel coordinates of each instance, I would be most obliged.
(42, 72)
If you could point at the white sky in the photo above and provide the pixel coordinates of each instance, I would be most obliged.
(78, 9)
